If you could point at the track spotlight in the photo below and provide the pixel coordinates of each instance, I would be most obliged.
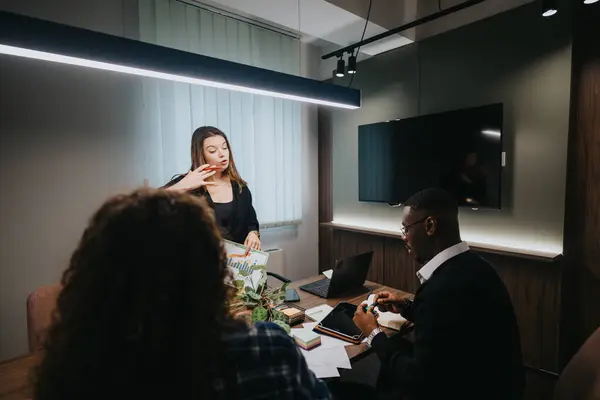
(590, 1)
(341, 67)
(549, 8)
(352, 64)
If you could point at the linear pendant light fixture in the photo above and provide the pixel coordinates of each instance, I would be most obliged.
(43, 40)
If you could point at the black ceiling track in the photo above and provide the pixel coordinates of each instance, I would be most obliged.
(415, 23)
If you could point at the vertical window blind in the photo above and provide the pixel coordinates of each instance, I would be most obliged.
(265, 133)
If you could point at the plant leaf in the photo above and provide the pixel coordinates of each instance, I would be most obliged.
(243, 273)
(263, 279)
(278, 315)
(279, 300)
(281, 289)
(248, 300)
(251, 303)
(239, 283)
(253, 295)
(262, 284)
(283, 325)
(259, 314)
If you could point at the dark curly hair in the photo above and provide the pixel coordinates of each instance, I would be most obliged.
(144, 305)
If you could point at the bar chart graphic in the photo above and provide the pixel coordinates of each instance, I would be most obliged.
(241, 264)
(238, 261)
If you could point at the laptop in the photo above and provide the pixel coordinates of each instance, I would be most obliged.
(349, 273)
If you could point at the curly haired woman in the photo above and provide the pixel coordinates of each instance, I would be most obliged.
(144, 314)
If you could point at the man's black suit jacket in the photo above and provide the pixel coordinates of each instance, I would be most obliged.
(467, 343)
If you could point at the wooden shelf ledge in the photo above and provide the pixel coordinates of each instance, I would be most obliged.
(479, 247)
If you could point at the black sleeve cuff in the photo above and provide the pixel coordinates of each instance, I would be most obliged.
(408, 311)
(380, 345)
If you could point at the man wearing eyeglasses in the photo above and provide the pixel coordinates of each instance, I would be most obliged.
(466, 341)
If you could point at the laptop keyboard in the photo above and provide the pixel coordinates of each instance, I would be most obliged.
(321, 290)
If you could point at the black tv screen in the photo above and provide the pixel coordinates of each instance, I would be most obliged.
(460, 151)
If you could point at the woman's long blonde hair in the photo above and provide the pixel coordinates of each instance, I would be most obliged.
(197, 152)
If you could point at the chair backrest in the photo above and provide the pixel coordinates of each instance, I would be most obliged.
(41, 303)
(580, 379)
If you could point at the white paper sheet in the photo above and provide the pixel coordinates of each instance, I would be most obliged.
(309, 325)
(391, 320)
(325, 372)
(319, 312)
(328, 273)
(327, 357)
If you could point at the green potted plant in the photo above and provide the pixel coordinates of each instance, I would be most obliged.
(257, 299)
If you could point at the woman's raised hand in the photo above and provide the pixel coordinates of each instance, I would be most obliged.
(195, 179)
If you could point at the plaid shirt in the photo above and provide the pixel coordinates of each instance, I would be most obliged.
(269, 365)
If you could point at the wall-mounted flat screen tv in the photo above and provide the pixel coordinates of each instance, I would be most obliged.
(460, 151)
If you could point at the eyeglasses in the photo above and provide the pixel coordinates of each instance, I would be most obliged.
(404, 229)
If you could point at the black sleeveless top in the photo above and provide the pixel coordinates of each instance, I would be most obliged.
(224, 214)
(235, 219)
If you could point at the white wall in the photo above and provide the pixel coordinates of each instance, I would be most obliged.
(64, 147)
(68, 141)
(102, 16)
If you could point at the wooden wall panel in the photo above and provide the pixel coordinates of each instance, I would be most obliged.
(350, 243)
(535, 290)
(325, 161)
(399, 269)
(581, 294)
(582, 219)
(326, 256)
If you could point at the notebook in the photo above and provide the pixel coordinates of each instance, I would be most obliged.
(306, 339)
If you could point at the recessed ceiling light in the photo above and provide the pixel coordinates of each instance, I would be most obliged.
(549, 8)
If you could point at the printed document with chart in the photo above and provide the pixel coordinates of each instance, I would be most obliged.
(236, 261)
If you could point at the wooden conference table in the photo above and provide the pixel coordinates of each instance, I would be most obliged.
(15, 373)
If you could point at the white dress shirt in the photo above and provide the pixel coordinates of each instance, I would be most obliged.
(428, 269)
